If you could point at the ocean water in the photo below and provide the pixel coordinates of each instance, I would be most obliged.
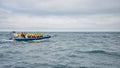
(62, 50)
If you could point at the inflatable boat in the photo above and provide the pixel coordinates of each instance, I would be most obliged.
(30, 39)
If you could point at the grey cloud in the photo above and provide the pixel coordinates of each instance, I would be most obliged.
(63, 6)
(60, 14)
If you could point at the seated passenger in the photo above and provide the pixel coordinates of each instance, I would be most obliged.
(22, 34)
(14, 35)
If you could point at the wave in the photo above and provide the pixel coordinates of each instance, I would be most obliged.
(96, 51)
(101, 52)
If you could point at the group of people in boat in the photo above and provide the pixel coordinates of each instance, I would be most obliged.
(26, 35)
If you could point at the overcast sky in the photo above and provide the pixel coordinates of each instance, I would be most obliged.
(60, 15)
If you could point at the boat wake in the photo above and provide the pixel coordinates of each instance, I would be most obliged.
(2, 41)
(5, 41)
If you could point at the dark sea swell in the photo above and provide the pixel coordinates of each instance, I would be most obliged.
(101, 52)
(63, 50)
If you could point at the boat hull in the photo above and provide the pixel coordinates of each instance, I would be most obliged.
(30, 39)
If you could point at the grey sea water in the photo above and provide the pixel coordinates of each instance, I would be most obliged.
(62, 50)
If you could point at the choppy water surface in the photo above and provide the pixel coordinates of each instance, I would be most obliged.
(63, 50)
